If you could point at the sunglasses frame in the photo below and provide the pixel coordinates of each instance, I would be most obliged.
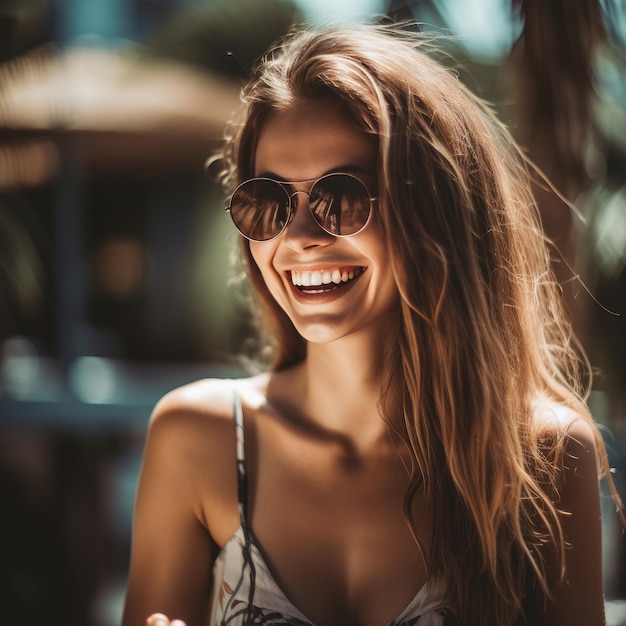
(290, 204)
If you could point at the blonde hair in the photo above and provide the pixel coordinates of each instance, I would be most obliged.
(480, 331)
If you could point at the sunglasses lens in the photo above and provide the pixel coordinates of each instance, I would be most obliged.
(340, 204)
(260, 209)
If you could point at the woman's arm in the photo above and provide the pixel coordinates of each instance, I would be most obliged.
(172, 550)
(578, 600)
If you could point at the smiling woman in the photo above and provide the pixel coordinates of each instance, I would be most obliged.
(319, 138)
(419, 450)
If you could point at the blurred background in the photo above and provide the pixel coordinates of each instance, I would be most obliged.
(115, 251)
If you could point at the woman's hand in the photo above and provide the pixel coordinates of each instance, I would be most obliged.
(158, 619)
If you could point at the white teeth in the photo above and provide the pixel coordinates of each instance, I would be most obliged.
(330, 276)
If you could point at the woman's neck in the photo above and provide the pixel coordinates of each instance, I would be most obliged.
(339, 387)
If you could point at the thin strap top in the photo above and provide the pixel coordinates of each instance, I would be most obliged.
(242, 477)
(246, 594)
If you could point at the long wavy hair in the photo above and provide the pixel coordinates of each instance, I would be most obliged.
(480, 332)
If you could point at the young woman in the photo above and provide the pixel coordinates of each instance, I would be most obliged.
(418, 451)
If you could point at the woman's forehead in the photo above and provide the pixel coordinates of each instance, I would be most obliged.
(310, 139)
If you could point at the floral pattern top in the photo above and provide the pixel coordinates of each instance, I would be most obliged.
(245, 592)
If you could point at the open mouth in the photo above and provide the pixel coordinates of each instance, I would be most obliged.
(324, 280)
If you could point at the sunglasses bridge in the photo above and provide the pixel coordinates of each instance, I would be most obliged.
(293, 205)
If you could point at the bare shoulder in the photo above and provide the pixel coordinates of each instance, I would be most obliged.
(208, 397)
(577, 595)
(194, 425)
(190, 451)
(577, 449)
(574, 429)
(201, 405)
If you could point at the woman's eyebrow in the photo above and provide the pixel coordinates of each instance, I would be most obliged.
(270, 174)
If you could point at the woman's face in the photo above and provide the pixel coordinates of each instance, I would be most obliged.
(357, 292)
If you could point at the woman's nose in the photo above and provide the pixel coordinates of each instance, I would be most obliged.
(303, 231)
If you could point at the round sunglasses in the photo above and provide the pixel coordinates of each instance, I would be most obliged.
(261, 208)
